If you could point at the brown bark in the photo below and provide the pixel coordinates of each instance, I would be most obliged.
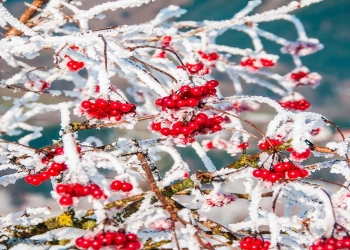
(26, 16)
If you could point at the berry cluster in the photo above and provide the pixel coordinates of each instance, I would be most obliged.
(118, 239)
(71, 64)
(197, 68)
(331, 244)
(281, 170)
(256, 63)
(200, 124)
(301, 104)
(210, 56)
(68, 191)
(250, 243)
(117, 185)
(102, 109)
(52, 171)
(269, 144)
(188, 96)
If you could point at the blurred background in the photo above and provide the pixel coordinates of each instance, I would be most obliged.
(327, 21)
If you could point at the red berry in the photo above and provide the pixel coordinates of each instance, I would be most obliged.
(79, 242)
(101, 103)
(57, 166)
(218, 119)
(193, 125)
(165, 131)
(175, 97)
(201, 119)
(29, 178)
(196, 91)
(185, 89)
(36, 181)
(181, 103)
(212, 84)
(126, 187)
(114, 112)
(59, 151)
(44, 176)
(288, 166)
(346, 242)
(96, 244)
(125, 107)
(116, 185)
(65, 201)
(115, 105)
(263, 145)
(279, 167)
(53, 172)
(329, 246)
(186, 130)
(61, 189)
(265, 174)
(216, 128)
(86, 104)
(131, 237)
(156, 126)
(169, 103)
(191, 102)
(133, 245)
(257, 173)
(293, 174)
(273, 177)
(120, 239)
(97, 193)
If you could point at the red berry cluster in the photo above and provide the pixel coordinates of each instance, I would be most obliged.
(117, 185)
(281, 170)
(188, 96)
(200, 124)
(331, 244)
(296, 76)
(250, 243)
(71, 64)
(197, 68)
(118, 239)
(300, 156)
(257, 63)
(301, 104)
(68, 191)
(101, 109)
(74, 65)
(210, 56)
(268, 144)
(54, 169)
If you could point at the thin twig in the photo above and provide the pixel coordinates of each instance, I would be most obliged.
(104, 50)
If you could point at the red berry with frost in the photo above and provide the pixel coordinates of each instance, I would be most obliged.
(191, 102)
(257, 173)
